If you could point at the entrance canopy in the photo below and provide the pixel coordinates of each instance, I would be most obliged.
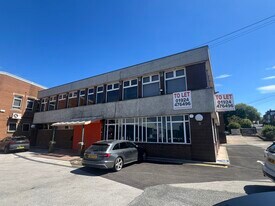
(76, 122)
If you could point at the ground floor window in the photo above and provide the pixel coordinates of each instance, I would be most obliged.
(165, 129)
(12, 127)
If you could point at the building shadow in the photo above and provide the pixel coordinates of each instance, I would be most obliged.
(251, 189)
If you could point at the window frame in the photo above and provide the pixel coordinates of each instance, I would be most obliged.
(9, 127)
(29, 125)
(17, 97)
(99, 92)
(130, 86)
(30, 100)
(72, 95)
(63, 96)
(112, 89)
(150, 82)
(174, 77)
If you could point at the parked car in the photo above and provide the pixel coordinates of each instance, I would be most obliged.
(269, 162)
(112, 154)
(15, 143)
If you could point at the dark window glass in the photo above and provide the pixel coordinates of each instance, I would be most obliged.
(169, 75)
(178, 132)
(12, 126)
(99, 97)
(155, 77)
(151, 119)
(123, 145)
(99, 89)
(111, 132)
(130, 93)
(51, 106)
(177, 118)
(82, 93)
(116, 147)
(150, 90)
(187, 132)
(99, 147)
(146, 79)
(131, 145)
(90, 99)
(30, 103)
(175, 85)
(126, 84)
(113, 96)
(130, 132)
(134, 82)
(90, 91)
(151, 132)
(110, 86)
(116, 86)
(164, 129)
(180, 72)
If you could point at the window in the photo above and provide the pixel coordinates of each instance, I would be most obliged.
(44, 104)
(91, 96)
(62, 97)
(30, 104)
(113, 92)
(73, 95)
(175, 81)
(130, 89)
(166, 129)
(25, 127)
(100, 95)
(12, 127)
(82, 97)
(17, 101)
(150, 86)
(52, 103)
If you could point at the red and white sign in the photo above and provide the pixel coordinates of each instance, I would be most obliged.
(224, 102)
(182, 100)
(16, 116)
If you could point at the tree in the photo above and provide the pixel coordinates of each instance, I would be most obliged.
(243, 111)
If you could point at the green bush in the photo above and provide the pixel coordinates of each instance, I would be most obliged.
(234, 125)
(269, 132)
(245, 123)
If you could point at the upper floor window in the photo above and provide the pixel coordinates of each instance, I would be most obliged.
(100, 94)
(44, 104)
(12, 127)
(52, 103)
(30, 104)
(113, 92)
(150, 85)
(91, 96)
(73, 95)
(62, 97)
(17, 101)
(130, 89)
(25, 127)
(175, 81)
(82, 96)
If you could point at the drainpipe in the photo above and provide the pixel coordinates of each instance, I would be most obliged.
(81, 144)
(52, 142)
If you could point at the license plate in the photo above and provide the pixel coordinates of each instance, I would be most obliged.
(92, 156)
(20, 147)
(271, 160)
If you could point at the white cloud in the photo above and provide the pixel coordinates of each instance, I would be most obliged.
(223, 76)
(218, 85)
(267, 89)
(267, 78)
(270, 68)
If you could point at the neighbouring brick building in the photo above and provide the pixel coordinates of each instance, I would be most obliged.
(137, 103)
(18, 102)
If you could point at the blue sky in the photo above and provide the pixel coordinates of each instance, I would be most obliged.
(55, 42)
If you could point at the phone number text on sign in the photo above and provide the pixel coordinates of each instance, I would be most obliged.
(182, 100)
(224, 102)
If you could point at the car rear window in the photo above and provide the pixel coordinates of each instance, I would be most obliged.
(19, 138)
(271, 148)
(99, 147)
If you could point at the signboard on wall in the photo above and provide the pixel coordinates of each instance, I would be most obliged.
(182, 100)
(224, 102)
(16, 116)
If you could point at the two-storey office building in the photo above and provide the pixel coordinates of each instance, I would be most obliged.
(136, 103)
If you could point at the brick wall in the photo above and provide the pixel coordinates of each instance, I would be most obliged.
(9, 86)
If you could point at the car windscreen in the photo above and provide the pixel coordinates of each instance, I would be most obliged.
(271, 148)
(99, 147)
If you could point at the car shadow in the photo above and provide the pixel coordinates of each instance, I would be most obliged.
(251, 189)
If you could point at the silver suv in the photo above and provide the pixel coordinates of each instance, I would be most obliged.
(112, 154)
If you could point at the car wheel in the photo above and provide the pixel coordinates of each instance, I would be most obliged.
(118, 164)
(6, 150)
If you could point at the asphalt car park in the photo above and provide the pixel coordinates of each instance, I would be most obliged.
(244, 167)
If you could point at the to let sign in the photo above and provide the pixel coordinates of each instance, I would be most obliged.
(224, 102)
(182, 100)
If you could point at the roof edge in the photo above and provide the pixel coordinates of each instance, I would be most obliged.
(22, 79)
